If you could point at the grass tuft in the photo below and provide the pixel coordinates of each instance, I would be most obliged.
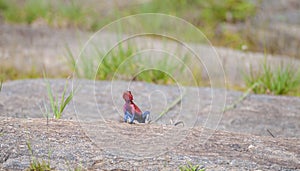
(72, 13)
(124, 62)
(164, 68)
(190, 167)
(35, 164)
(58, 108)
(282, 80)
(35, 9)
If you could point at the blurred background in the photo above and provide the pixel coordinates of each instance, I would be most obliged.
(258, 41)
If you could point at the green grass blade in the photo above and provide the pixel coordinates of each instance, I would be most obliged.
(174, 103)
(63, 98)
(50, 96)
(67, 101)
(71, 60)
(0, 85)
(29, 148)
(56, 111)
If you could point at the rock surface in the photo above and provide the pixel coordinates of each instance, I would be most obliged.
(70, 147)
(277, 26)
(90, 134)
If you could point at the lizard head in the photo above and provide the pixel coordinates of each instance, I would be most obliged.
(127, 96)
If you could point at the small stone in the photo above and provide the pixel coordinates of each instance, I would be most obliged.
(233, 163)
(251, 146)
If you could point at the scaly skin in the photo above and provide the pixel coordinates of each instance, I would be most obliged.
(132, 111)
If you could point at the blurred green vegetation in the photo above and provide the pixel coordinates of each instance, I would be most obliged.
(211, 17)
(191, 167)
(58, 15)
(12, 73)
(279, 81)
(208, 16)
(123, 62)
(201, 12)
(9, 72)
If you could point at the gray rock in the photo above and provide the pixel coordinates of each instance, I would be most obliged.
(95, 139)
(95, 101)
